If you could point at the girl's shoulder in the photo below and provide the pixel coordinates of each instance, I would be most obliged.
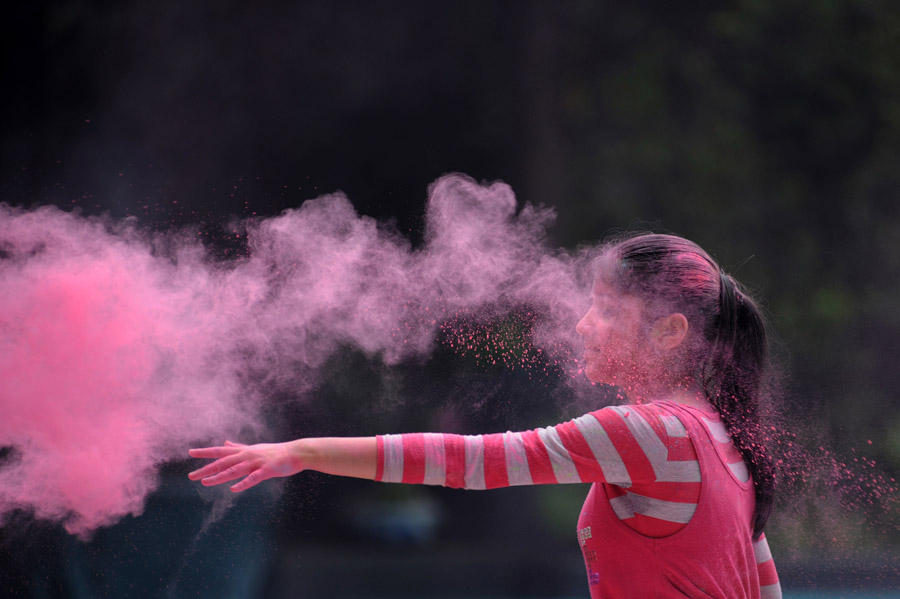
(706, 412)
(642, 410)
(657, 419)
(660, 408)
(642, 419)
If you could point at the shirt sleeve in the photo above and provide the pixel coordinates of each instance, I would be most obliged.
(769, 586)
(620, 445)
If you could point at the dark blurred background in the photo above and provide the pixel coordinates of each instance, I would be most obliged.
(766, 130)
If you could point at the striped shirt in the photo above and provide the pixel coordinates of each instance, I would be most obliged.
(642, 454)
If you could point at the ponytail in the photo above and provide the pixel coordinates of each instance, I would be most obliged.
(732, 382)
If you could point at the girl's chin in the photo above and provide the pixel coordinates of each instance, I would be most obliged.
(605, 376)
(599, 376)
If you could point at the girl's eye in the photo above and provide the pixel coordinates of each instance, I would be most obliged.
(605, 309)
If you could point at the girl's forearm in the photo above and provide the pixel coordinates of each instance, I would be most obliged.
(340, 456)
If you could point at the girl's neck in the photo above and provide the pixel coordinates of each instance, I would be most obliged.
(687, 393)
(696, 400)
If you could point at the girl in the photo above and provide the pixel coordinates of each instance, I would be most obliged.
(682, 483)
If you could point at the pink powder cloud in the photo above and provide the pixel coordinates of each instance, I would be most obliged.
(120, 348)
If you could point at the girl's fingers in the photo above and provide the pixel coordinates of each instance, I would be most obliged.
(230, 464)
(255, 477)
(230, 473)
(212, 452)
(216, 467)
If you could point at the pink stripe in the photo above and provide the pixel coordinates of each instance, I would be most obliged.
(681, 450)
(413, 458)
(680, 492)
(379, 459)
(767, 573)
(455, 454)
(494, 462)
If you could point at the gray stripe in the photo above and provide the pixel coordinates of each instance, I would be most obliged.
(670, 511)
(560, 460)
(770, 591)
(474, 475)
(740, 471)
(516, 461)
(681, 472)
(393, 458)
(610, 461)
(674, 427)
(653, 447)
(761, 551)
(718, 430)
(435, 462)
(622, 507)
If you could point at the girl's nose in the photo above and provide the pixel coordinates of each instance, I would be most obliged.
(582, 327)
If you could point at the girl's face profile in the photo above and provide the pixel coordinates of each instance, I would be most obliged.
(611, 330)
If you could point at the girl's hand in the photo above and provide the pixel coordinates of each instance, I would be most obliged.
(255, 463)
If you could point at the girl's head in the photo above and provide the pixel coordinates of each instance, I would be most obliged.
(665, 317)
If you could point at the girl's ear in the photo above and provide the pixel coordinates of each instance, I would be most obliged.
(669, 331)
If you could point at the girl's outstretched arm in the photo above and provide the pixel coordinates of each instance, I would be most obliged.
(341, 456)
